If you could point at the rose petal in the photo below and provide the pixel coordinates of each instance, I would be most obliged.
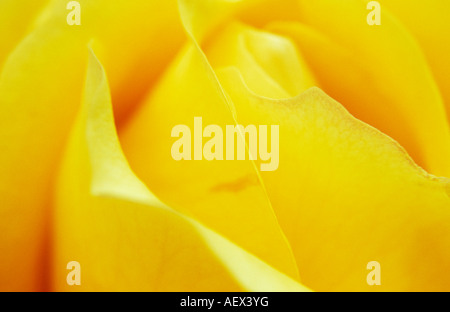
(224, 195)
(40, 91)
(429, 22)
(16, 17)
(123, 237)
(378, 72)
(270, 64)
(346, 194)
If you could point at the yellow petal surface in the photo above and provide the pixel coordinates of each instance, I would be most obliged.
(40, 91)
(429, 22)
(271, 64)
(38, 95)
(346, 194)
(379, 73)
(126, 239)
(225, 195)
(16, 17)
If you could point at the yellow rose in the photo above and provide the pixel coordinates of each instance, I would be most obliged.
(364, 145)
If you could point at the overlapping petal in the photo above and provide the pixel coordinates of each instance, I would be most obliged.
(271, 64)
(40, 91)
(123, 237)
(225, 195)
(346, 194)
(378, 73)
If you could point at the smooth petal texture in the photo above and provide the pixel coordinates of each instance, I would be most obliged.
(203, 18)
(308, 233)
(127, 36)
(378, 72)
(40, 91)
(123, 237)
(38, 96)
(270, 64)
(429, 22)
(224, 195)
(346, 194)
(344, 190)
(16, 17)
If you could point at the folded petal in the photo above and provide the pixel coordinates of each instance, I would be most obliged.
(378, 72)
(270, 64)
(40, 91)
(346, 194)
(227, 196)
(126, 239)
